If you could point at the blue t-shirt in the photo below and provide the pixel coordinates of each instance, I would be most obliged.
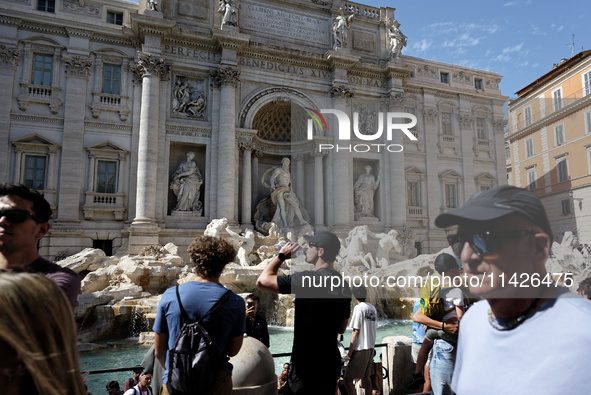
(226, 322)
(418, 330)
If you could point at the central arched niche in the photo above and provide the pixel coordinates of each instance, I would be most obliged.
(274, 121)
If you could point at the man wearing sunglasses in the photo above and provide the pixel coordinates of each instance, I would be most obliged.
(24, 216)
(528, 335)
(322, 308)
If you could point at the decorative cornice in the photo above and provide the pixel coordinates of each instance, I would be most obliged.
(7, 20)
(9, 56)
(77, 66)
(225, 76)
(150, 65)
(78, 33)
(110, 126)
(340, 91)
(37, 119)
(114, 40)
(37, 27)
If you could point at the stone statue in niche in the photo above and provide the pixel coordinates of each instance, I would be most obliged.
(397, 39)
(282, 207)
(229, 11)
(365, 188)
(340, 30)
(188, 99)
(186, 185)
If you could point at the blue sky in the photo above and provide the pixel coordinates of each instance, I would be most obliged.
(519, 39)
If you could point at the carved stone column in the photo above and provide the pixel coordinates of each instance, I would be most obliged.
(227, 77)
(318, 188)
(256, 179)
(343, 184)
(150, 70)
(246, 148)
(300, 187)
(77, 71)
(8, 62)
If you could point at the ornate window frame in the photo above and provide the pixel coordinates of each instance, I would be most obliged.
(36, 145)
(485, 181)
(450, 177)
(110, 203)
(414, 174)
(31, 93)
(448, 140)
(107, 101)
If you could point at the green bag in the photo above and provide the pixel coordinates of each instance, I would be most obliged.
(431, 303)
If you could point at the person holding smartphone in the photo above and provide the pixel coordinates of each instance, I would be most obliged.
(256, 325)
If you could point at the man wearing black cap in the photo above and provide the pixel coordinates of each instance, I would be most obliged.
(322, 308)
(526, 336)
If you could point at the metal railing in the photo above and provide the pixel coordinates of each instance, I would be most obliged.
(125, 369)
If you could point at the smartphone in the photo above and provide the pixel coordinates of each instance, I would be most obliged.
(250, 305)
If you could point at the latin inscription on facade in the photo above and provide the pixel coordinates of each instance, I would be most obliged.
(284, 68)
(284, 24)
(191, 53)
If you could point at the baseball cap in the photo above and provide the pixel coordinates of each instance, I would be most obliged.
(329, 241)
(496, 203)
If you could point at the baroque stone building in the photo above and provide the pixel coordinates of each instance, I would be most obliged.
(108, 103)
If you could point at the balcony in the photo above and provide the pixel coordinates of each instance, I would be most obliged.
(30, 93)
(449, 141)
(105, 203)
(109, 102)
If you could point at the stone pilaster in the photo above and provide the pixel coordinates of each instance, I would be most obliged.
(8, 61)
(227, 78)
(71, 177)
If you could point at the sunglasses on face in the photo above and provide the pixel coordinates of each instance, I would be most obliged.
(16, 216)
(485, 243)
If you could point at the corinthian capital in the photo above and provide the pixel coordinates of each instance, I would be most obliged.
(340, 91)
(151, 65)
(225, 76)
(77, 66)
(8, 56)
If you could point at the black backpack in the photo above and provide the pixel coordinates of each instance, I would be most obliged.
(194, 361)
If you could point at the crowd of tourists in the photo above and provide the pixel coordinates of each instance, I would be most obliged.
(484, 338)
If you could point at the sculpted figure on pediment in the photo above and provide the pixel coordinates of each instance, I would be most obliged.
(340, 30)
(229, 11)
(397, 39)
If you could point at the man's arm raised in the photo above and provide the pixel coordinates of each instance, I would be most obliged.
(267, 281)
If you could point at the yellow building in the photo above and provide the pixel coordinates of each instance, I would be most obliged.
(548, 145)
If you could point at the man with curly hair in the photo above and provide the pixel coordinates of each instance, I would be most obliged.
(226, 325)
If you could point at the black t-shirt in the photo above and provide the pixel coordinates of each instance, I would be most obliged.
(322, 303)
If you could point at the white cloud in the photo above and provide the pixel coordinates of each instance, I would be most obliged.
(515, 48)
(422, 45)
